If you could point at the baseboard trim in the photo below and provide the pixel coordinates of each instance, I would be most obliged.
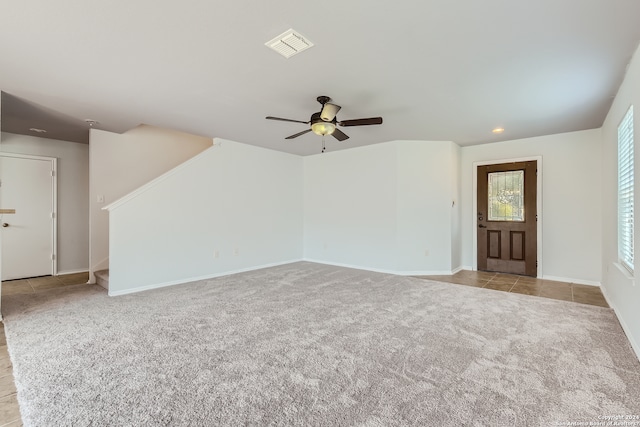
(355, 267)
(62, 273)
(545, 277)
(424, 273)
(385, 271)
(627, 331)
(195, 279)
(569, 280)
(457, 270)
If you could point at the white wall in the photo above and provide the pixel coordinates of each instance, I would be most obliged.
(120, 163)
(571, 201)
(239, 201)
(425, 193)
(381, 207)
(622, 291)
(73, 194)
(350, 207)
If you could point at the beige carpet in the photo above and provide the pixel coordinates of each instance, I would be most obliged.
(313, 345)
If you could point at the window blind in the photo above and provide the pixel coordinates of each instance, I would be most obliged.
(625, 190)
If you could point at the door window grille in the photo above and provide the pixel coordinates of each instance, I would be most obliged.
(506, 196)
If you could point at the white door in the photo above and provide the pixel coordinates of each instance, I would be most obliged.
(27, 184)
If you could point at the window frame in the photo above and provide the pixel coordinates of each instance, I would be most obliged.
(625, 191)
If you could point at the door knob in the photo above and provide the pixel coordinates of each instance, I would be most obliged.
(4, 224)
(482, 226)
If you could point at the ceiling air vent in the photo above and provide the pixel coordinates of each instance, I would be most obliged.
(289, 43)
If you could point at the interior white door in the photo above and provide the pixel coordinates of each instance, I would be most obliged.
(27, 184)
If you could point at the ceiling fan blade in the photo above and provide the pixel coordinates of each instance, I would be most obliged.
(295, 135)
(285, 120)
(339, 135)
(329, 111)
(362, 122)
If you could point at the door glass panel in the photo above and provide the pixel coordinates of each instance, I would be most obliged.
(506, 196)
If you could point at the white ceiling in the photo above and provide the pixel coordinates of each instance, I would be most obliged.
(433, 69)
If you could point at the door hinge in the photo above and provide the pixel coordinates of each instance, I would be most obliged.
(53, 257)
(536, 217)
(536, 263)
(53, 173)
(53, 215)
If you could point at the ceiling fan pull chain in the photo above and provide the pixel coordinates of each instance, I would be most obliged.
(323, 146)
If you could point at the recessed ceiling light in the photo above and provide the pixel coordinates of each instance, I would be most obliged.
(91, 122)
(37, 130)
(498, 130)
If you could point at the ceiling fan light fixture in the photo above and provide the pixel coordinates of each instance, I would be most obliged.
(323, 128)
(329, 111)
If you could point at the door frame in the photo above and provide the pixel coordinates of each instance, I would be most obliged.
(538, 159)
(54, 202)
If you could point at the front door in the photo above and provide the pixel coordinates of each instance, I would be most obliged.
(507, 229)
(27, 237)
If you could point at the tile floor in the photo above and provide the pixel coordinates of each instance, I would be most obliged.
(583, 294)
(9, 411)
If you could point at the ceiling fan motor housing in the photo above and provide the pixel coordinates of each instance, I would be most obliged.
(316, 117)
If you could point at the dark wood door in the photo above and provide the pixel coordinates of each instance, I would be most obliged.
(507, 230)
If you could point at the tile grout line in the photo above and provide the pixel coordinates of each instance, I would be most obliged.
(514, 284)
(31, 286)
(10, 394)
(11, 422)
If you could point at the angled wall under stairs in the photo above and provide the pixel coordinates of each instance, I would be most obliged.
(120, 163)
(231, 208)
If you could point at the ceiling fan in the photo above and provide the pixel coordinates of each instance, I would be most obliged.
(325, 122)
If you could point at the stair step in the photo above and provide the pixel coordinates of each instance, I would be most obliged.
(102, 278)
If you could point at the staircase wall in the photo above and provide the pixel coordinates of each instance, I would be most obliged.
(233, 207)
(120, 163)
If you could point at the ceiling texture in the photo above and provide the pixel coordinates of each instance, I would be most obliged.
(433, 69)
